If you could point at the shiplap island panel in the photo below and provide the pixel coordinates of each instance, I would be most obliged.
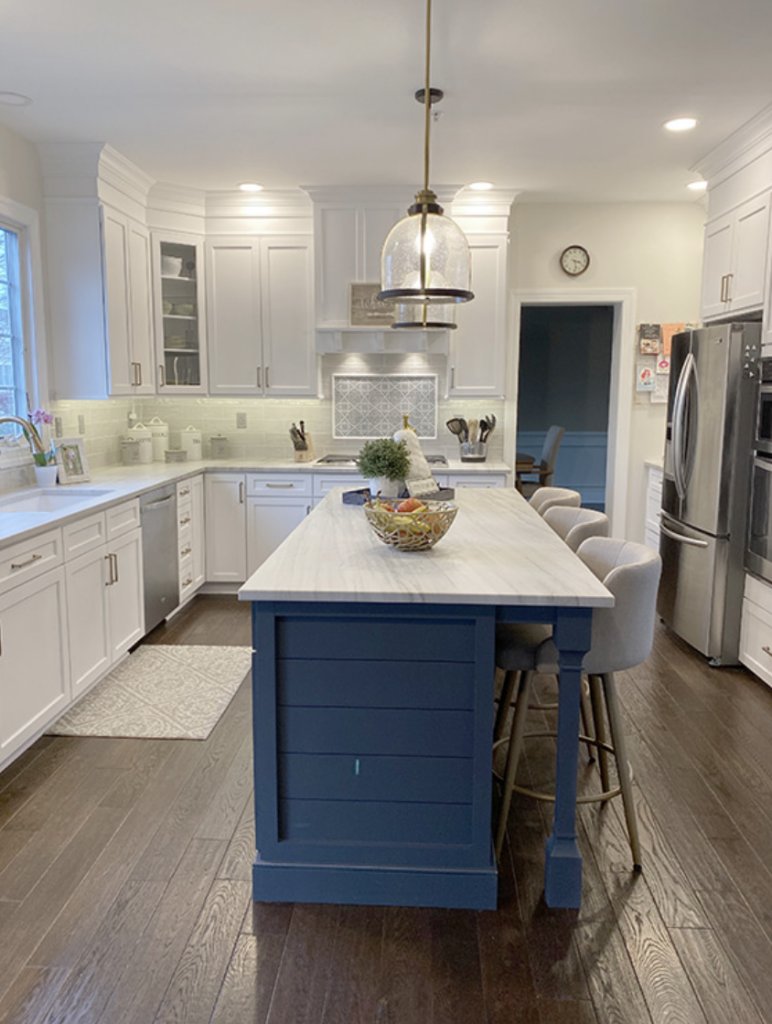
(373, 703)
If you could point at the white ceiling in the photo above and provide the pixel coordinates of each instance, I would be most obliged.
(564, 99)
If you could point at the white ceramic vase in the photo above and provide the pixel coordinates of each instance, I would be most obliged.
(387, 488)
(46, 475)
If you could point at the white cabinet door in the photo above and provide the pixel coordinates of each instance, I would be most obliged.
(115, 228)
(126, 606)
(269, 522)
(34, 665)
(180, 313)
(289, 356)
(735, 260)
(233, 311)
(478, 345)
(225, 527)
(141, 312)
(88, 625)
(457, 480)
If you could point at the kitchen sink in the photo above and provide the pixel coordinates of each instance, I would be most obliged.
(47, 499)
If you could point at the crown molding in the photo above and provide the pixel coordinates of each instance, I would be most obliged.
(268, 203)
(494, 202)
(375, 195)
(743, 146)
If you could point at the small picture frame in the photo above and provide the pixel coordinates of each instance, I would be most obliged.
(366, 309)
(71, 460)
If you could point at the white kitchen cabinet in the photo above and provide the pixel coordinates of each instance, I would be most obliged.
(324, 483)
(756, 629)
(457, 480)
(34, 660)
(99, 275)
(190, 535)
(735, 260)
(225, 527)
(104, 592)
(180, 309)
(477, 361)
(653, 505)
(276, 504)
(260, 316)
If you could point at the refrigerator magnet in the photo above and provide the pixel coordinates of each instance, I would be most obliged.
(645, 378)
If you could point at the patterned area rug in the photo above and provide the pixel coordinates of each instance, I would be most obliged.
(160, 692)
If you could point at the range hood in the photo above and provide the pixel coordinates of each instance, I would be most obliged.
(332, 339)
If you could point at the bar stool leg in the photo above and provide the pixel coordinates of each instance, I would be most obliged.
(600, 729)
(513, 756)
(586, 726)
(511, 682)
(620, 749)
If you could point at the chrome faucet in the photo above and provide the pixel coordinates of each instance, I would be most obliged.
(25, 426)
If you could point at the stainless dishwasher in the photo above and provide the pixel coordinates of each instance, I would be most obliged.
(158, 516)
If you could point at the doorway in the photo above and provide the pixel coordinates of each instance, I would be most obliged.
(564, 378)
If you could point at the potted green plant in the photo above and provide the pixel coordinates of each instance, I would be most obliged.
(385, 463)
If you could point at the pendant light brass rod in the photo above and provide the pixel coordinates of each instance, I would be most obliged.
(427, 94)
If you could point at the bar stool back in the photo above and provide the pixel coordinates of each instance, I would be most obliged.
(576, 525)
(548, 497)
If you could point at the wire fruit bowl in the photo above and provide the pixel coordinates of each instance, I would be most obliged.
(411, 531)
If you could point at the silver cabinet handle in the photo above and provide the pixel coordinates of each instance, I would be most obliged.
(259, 376)
(110, 559)
(184, 493)
(185, 551)
(452, 377)
(267, 378)
(139, 373)
(722, 296)
(184, 521)
(115, 559)
(766, 650)
(691, 541)
(187, 582)
(162, 383)
(729, 278)
(279, 485)
(23, 565)
(241, 492)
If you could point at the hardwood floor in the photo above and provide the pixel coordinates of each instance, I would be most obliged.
(125, 882)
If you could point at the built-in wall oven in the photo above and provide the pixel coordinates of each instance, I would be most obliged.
(758, 556)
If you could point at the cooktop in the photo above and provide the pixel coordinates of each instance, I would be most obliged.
(350, 460)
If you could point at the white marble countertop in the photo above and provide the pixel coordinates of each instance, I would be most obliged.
(120, 483)
(498, 551)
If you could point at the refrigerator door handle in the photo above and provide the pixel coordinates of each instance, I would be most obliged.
(691, 541)
(678, 425)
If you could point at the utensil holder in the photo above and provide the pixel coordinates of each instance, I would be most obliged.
(307, 455)
(474, 451)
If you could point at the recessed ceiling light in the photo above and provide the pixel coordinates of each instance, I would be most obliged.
(250, 186)
(14, 99)
(681, 124)
(697, 186)
(481, 186)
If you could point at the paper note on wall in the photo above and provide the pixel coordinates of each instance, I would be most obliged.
(660, 392)
(668, 330)
(645, 378)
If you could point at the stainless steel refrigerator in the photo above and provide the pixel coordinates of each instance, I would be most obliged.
(705, 491)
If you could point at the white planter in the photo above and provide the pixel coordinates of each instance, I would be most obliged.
(46, 475)
(387, 488)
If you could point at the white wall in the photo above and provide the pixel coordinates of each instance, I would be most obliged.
(21, 178)
(654, 248)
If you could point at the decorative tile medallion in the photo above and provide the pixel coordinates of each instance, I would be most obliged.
(372, 405)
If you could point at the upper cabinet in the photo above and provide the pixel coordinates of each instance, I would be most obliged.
(735, 259)
(179, 314)
(478, 345)
(260, 315)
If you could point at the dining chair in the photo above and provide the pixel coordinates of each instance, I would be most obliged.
(548, 497)
(621, 638)
(576, 525)
(544, 469)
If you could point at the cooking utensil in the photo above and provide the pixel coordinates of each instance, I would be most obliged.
(456, 426)
(472, 431)
(298, 440)
(484, 429)
(492, 421)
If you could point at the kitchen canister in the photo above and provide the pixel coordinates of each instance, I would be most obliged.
(159, 435)
(140, 433)
(219, 446)
(190, 439)
(129, 451)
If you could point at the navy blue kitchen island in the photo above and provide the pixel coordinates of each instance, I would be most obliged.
(373, 704)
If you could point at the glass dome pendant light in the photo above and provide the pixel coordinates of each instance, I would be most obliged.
(425, 258)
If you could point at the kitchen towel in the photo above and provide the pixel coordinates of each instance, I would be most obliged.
(160, 692)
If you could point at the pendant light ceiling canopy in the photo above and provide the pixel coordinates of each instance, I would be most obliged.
(425, 258)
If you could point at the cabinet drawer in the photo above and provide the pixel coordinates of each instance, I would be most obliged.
(186, 574)
(29, 558)
(281, 485)
(376, 731)
(183, 491)
(84, 535)
(184, 517)
(375, 684)
(366, 777)
(324, 482)
(122, 518)
(325, 821)
(756, 641)
(451, 640)
(476, 480)
(759, 593)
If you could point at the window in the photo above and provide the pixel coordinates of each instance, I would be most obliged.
(12, 382)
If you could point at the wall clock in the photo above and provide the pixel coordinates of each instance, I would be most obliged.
(574, 260)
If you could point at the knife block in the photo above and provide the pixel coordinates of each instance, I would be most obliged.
(308, 455)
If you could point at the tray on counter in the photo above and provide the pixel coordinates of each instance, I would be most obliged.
(363, 494)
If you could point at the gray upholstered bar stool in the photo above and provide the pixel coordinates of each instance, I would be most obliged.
(548, 497)
(621, 638)
(575, 525)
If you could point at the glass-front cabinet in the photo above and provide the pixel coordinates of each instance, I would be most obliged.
(180, 319)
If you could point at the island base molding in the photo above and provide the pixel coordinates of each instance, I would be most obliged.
(373, 886)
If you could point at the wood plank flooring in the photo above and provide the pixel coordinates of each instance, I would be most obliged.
(125, 882)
